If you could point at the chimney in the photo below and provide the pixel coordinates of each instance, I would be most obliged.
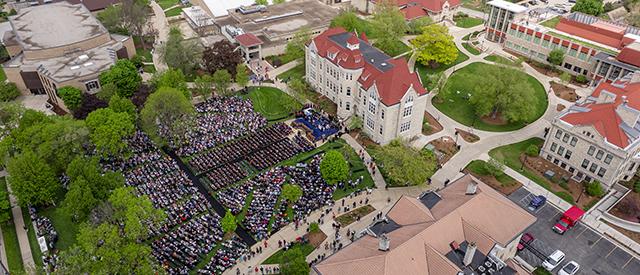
(624, 100)
(383, 242)
(468, 255)
(472, 187)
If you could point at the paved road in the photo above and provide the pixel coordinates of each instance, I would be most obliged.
(595, 253)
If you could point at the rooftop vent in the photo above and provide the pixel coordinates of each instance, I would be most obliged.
(468, 255)
(383, 242)
(472, 187)
(88, 64)
(83, 58)
(75, 67)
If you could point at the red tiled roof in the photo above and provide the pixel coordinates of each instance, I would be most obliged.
(599, 33)
(391, 84)
(629, 56)
(418, 8)
(603, 116)
(248, 40)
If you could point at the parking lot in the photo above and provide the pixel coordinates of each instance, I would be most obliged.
(594, 253)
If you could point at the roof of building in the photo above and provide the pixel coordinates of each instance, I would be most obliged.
(422, 243)
(198, 16)
(95, 5)
(630, 54)
(54, 25)
(611, 110)
(391, 77)
(221, 7)
(417, 8)
(513, 7)
(248, 40)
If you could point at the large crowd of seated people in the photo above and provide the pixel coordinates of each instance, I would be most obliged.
(316, 193)
(220, 120)
(225, 175)
(226, 256)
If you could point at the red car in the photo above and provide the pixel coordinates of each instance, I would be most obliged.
(569, 219)
(525, 240)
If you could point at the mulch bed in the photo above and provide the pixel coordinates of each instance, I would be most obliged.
(494, 120)
(435, 125)
(564, 92)
(363, 140)
(560, 107)
(630, 201)
(632, 235)
(467, 136)
(316, 238)
(353, 215)
(447, 146)
(497, 185)
(540, 165)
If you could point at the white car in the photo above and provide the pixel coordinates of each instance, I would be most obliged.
(569, 269)
(553, 260)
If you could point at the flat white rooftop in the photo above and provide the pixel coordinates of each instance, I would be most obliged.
(508, 6)
(220, 7)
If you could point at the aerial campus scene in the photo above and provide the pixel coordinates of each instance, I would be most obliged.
(294, 137)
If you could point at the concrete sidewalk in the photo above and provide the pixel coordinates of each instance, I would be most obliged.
(23, 238)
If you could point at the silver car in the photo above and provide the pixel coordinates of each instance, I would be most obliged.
(570, 268)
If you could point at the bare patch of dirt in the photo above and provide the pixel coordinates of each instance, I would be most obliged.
(430, 125)
(564, 92)
(560, 107)
(467, 136)
(316, 238)
(497, 120)
(628, 208)
(446, 146)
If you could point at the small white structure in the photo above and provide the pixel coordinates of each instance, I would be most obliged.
(199, 20)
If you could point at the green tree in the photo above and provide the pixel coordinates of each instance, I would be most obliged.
(136, 213)
(350, 22)
(79, 200)
(203, 85)
(278, 1)
(633, 17)
(294, 262)
(88, 169)
(333, 167)
(565, 77)
(171, 78)
(242, 75)
(5, 207)
(107, 91)
(124, 75)
(228, 222)
(221, 80)
(10, 115)
(8, 91)
(594, 189)
(314, 227)
(532, 150)
(356, 123)
(435, 46)
(494, 167)
(296, 46)
(123, 105)
(403, 165)
(71, 96)
(505, 91)
(556, 57)
(32, 180)
(107, 130)
(112, 20)
(388, 24)
(167, 115)
(181, 54)
(416, 25)
(593, 7)
(291, 192)
(262, 2)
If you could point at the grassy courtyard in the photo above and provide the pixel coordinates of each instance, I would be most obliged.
(454, 100)
(295, 72)
(272, 103)
(276, 258)
(471, 49)
(468, 22)
(501, 60)
(425, 71)
(173, 12)
(165, 4)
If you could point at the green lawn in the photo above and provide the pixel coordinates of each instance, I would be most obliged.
(149, 69)
(272, 103)
(471, 49)
(477, 167)
(67, 229)
(165, 4)
(551, 23)
(295, 72)
(398, 48)
(510, 156)
(468, 22)
(11, 245)
(424, 71)
(3, 76)
(173, 12)
(455, 104)
(276, 257)
(501, 60)
(357, 169)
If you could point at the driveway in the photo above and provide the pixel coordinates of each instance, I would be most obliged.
(594, 253)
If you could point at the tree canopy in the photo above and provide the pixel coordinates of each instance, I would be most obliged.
(388, 24)
(32, 180)
(181, 54)
(228, 222)
(171, 78)
(291, 192)
(404, 165)
(203, 85)
(107, 130)
(350, 22)
(294, 262)
(435, 46)
(242, 75)
(8, 91)
(167, 115)
(504, 91)
(556, 57)
(222, 55)
(71, 96)
(296, 46)
(123, 105)
(124, 75)
(222, 81)
(333, 167)
(593, 7)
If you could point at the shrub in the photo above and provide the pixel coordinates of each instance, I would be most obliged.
(541, 271)
(582, 79)
(594, 189)
(494, 167)
(532, 150)
(8, 91)
(314, 227)
(565, 196)
(636, 186)
(71, 96)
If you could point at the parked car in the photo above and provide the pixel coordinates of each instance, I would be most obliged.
(553, 260)
(526, 239)
(568, 220)
(570, 268)
(537, 202)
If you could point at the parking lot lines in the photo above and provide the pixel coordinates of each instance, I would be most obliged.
(614, 248)
(579, 234)
(596, 242)
(627, 263)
